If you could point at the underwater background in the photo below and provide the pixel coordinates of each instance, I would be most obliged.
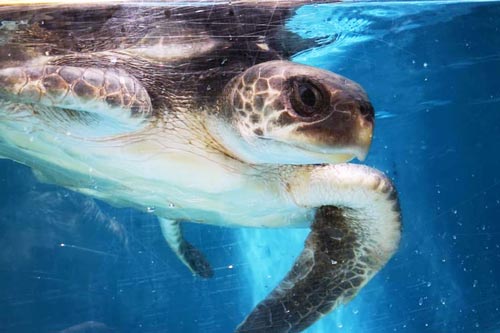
(432, 70)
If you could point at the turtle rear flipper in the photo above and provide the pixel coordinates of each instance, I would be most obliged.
(114, 97)
(186, 252)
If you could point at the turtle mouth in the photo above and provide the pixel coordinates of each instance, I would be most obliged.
(312, 154)
(333, 155)
(316, 149)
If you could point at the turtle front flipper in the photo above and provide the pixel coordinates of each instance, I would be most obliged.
(356, 230)
(113, 96)
(185, 251)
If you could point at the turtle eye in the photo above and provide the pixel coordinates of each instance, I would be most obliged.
(306, 98)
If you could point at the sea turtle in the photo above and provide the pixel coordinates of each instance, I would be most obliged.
(192, 112)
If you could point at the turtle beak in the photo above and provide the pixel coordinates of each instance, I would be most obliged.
(363, 139)
(341, 136)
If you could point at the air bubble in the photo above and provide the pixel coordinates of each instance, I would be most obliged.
(150, 209)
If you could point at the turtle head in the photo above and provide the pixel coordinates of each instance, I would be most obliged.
(283, 112)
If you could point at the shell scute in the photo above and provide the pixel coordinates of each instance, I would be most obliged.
(55, 85)
(112, 84)
(127, 99)
(84, 90)
(94, 77)
(129, 85)
(71, 74)
(114, 100)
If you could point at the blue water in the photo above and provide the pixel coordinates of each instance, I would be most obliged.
(432, 70)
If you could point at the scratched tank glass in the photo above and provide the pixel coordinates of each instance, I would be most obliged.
(72, 264)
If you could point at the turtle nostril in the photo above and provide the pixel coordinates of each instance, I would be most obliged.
(366, 109)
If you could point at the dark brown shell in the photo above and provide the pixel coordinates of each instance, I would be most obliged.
(181, 54)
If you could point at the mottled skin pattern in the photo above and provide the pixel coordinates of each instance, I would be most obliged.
(257, 96)
(336, 240)
(204, 90)
(76, 88)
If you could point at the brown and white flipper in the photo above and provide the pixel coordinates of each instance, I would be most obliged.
(356, 230)
(112, 95)
(185, 251)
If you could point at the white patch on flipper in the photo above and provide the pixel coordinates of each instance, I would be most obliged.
(365, 190)
(171, 232)
(191, 257)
